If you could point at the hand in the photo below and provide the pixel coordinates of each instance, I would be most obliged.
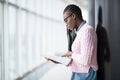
(47, 59)
(68, 54)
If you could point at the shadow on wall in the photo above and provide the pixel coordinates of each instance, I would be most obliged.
(103, 50)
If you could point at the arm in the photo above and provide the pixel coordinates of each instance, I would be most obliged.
(88, 45)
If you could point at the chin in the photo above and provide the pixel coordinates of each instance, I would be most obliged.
(71, 29)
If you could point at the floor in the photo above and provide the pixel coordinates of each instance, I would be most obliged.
(58, 72)
(48, 71)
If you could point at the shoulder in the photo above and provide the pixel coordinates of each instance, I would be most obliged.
(86, 27)
(89, 27)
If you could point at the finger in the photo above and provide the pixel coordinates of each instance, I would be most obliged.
(47, 59)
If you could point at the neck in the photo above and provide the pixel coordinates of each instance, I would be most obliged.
(78, 23)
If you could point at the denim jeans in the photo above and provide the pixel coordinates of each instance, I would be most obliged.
(91, 75)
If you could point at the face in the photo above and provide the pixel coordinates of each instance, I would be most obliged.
(69, 19)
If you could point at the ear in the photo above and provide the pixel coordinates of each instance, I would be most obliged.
(74, 16)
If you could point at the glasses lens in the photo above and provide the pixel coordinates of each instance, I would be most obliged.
(67, 17)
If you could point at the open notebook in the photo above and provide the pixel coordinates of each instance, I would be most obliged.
(58, 59)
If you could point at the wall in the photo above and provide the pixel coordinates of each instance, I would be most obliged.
(114, 31)
(111, 19)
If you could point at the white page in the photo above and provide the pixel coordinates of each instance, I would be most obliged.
(59, 59)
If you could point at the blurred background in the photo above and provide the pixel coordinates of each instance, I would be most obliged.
(29, 28)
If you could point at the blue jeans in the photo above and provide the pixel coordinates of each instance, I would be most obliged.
(91, 75)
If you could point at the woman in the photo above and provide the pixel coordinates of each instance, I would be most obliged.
(84, 48)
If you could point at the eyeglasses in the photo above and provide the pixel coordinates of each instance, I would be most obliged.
(67, 17)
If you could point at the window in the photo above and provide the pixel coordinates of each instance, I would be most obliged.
(23, 3)
(22, 42)
(31, 5)
(13, 63)
(31, 28)
(1, 41)
(30, 40)
(12, 1)
(38, 40)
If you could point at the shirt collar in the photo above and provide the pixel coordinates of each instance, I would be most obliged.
(78, 28)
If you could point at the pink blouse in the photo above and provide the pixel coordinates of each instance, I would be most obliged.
(84, 50)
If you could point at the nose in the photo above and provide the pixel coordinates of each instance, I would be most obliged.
(67, 25)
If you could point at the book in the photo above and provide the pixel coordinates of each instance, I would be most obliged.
(58, 59)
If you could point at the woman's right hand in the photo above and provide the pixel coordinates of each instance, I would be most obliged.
(47, 59)
(68, 54)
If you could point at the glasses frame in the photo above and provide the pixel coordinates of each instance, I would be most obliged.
(65, 19)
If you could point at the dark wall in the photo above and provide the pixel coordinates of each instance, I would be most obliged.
(111, 23)
(114, 32)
